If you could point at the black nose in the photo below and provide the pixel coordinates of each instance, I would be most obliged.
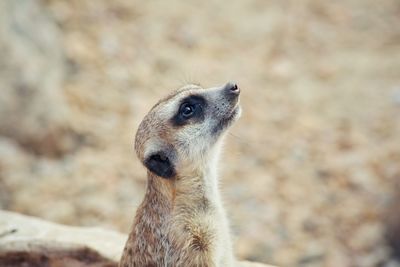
(232, 88)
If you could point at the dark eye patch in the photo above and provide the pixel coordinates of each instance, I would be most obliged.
(191, 110)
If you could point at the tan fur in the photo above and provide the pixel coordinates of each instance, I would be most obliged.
(181, 221)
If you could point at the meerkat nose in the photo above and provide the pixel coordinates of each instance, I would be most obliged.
(232, 88)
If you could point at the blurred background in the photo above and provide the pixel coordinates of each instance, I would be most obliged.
(310, 173)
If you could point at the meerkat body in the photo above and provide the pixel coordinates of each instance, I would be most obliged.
(181, 221)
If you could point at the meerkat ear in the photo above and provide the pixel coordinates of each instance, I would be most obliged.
(160, 164)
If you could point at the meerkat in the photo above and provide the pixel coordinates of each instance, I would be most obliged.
(181, 221)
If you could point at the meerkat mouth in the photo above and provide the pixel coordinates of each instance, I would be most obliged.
(235, 113)
(228, 120)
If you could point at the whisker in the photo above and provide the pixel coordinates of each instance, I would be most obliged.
(247, 141)
(186, 78)
(242, 140)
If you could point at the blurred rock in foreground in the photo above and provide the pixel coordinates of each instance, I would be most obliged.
(35, 242)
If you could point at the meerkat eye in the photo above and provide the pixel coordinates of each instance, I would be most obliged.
(191, 110)
(187, 110)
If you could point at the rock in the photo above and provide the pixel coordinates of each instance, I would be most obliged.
(34, 253)
(34, 241)
(16, 227)
(33, 109)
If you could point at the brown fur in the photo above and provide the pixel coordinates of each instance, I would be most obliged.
(181, 221)
(160, 230)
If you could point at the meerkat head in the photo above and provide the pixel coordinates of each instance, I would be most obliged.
(182, 129)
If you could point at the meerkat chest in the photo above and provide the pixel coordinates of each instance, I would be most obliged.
(200, 231)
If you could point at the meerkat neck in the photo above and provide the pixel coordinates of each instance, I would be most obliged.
(159, 196)
(181, 222)
(199, 188)
(200, 183)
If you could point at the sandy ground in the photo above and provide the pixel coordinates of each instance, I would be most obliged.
(308, 170)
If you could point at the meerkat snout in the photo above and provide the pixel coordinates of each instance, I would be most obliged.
(183, 127)
(232, 88)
